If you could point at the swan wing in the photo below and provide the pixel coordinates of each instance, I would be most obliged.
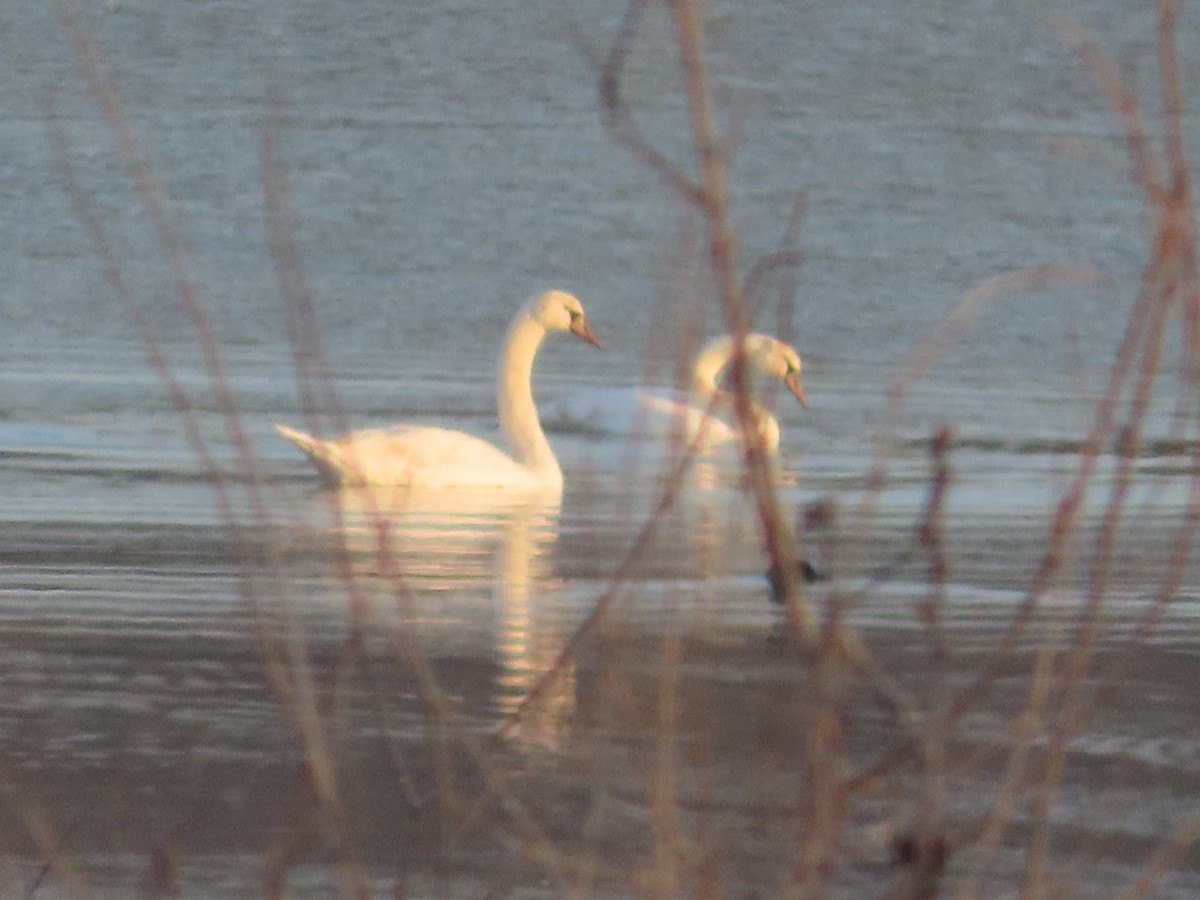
(598, 410)
(643, 413)
(411, 454)
(436, 457)
(669, 414)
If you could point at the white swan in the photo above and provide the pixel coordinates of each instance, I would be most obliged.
(422, 456)
(655, 414)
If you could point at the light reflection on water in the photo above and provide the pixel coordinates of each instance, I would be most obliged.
(130, 657)
(432, 559)
(446, 163)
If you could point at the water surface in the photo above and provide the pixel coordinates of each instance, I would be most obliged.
(445, 164)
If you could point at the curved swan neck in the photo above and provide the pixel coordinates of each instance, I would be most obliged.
(714, 356)
(514, 398)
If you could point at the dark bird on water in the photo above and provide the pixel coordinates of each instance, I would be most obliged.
(804, 570)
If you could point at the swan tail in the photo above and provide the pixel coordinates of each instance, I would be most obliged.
(326, 456)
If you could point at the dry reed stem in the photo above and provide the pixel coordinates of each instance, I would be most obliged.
(314, 377)
(932, 539)
(784, 261)
(1065, 519)
(1185, 836)
(930, 849)
(618, 117)
(536, 843)
(287, 666)
(601, 605)
(1169, 284)
(666, 825)
(407, 646)
(51, 844)
(713, 199)
(709, 195)
(624, 129)
(949, 331)
(286, 661)
(1025, 729)
(824, 802)
(919, 363)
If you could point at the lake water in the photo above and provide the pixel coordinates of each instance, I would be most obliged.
(444, 164)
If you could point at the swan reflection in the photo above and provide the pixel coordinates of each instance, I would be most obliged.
(431, 557)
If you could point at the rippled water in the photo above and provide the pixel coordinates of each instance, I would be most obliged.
(445, 164)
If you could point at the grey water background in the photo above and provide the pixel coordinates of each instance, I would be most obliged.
(446, 162)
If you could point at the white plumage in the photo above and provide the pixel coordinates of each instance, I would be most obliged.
(426, 456)
(658, 414)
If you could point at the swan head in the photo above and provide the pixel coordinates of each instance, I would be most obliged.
(560, 311)
(779, 360)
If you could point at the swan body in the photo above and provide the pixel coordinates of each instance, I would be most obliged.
(429, 457)
(657, 414)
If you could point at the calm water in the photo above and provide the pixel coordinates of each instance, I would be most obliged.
(445, 164)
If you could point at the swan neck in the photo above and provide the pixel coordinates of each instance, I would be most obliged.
(714, 356)
(514, 399)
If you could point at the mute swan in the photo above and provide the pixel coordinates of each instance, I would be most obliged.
(422, 456)
(655, 413)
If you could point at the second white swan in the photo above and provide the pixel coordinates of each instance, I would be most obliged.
(429, 457)
(657, 414)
